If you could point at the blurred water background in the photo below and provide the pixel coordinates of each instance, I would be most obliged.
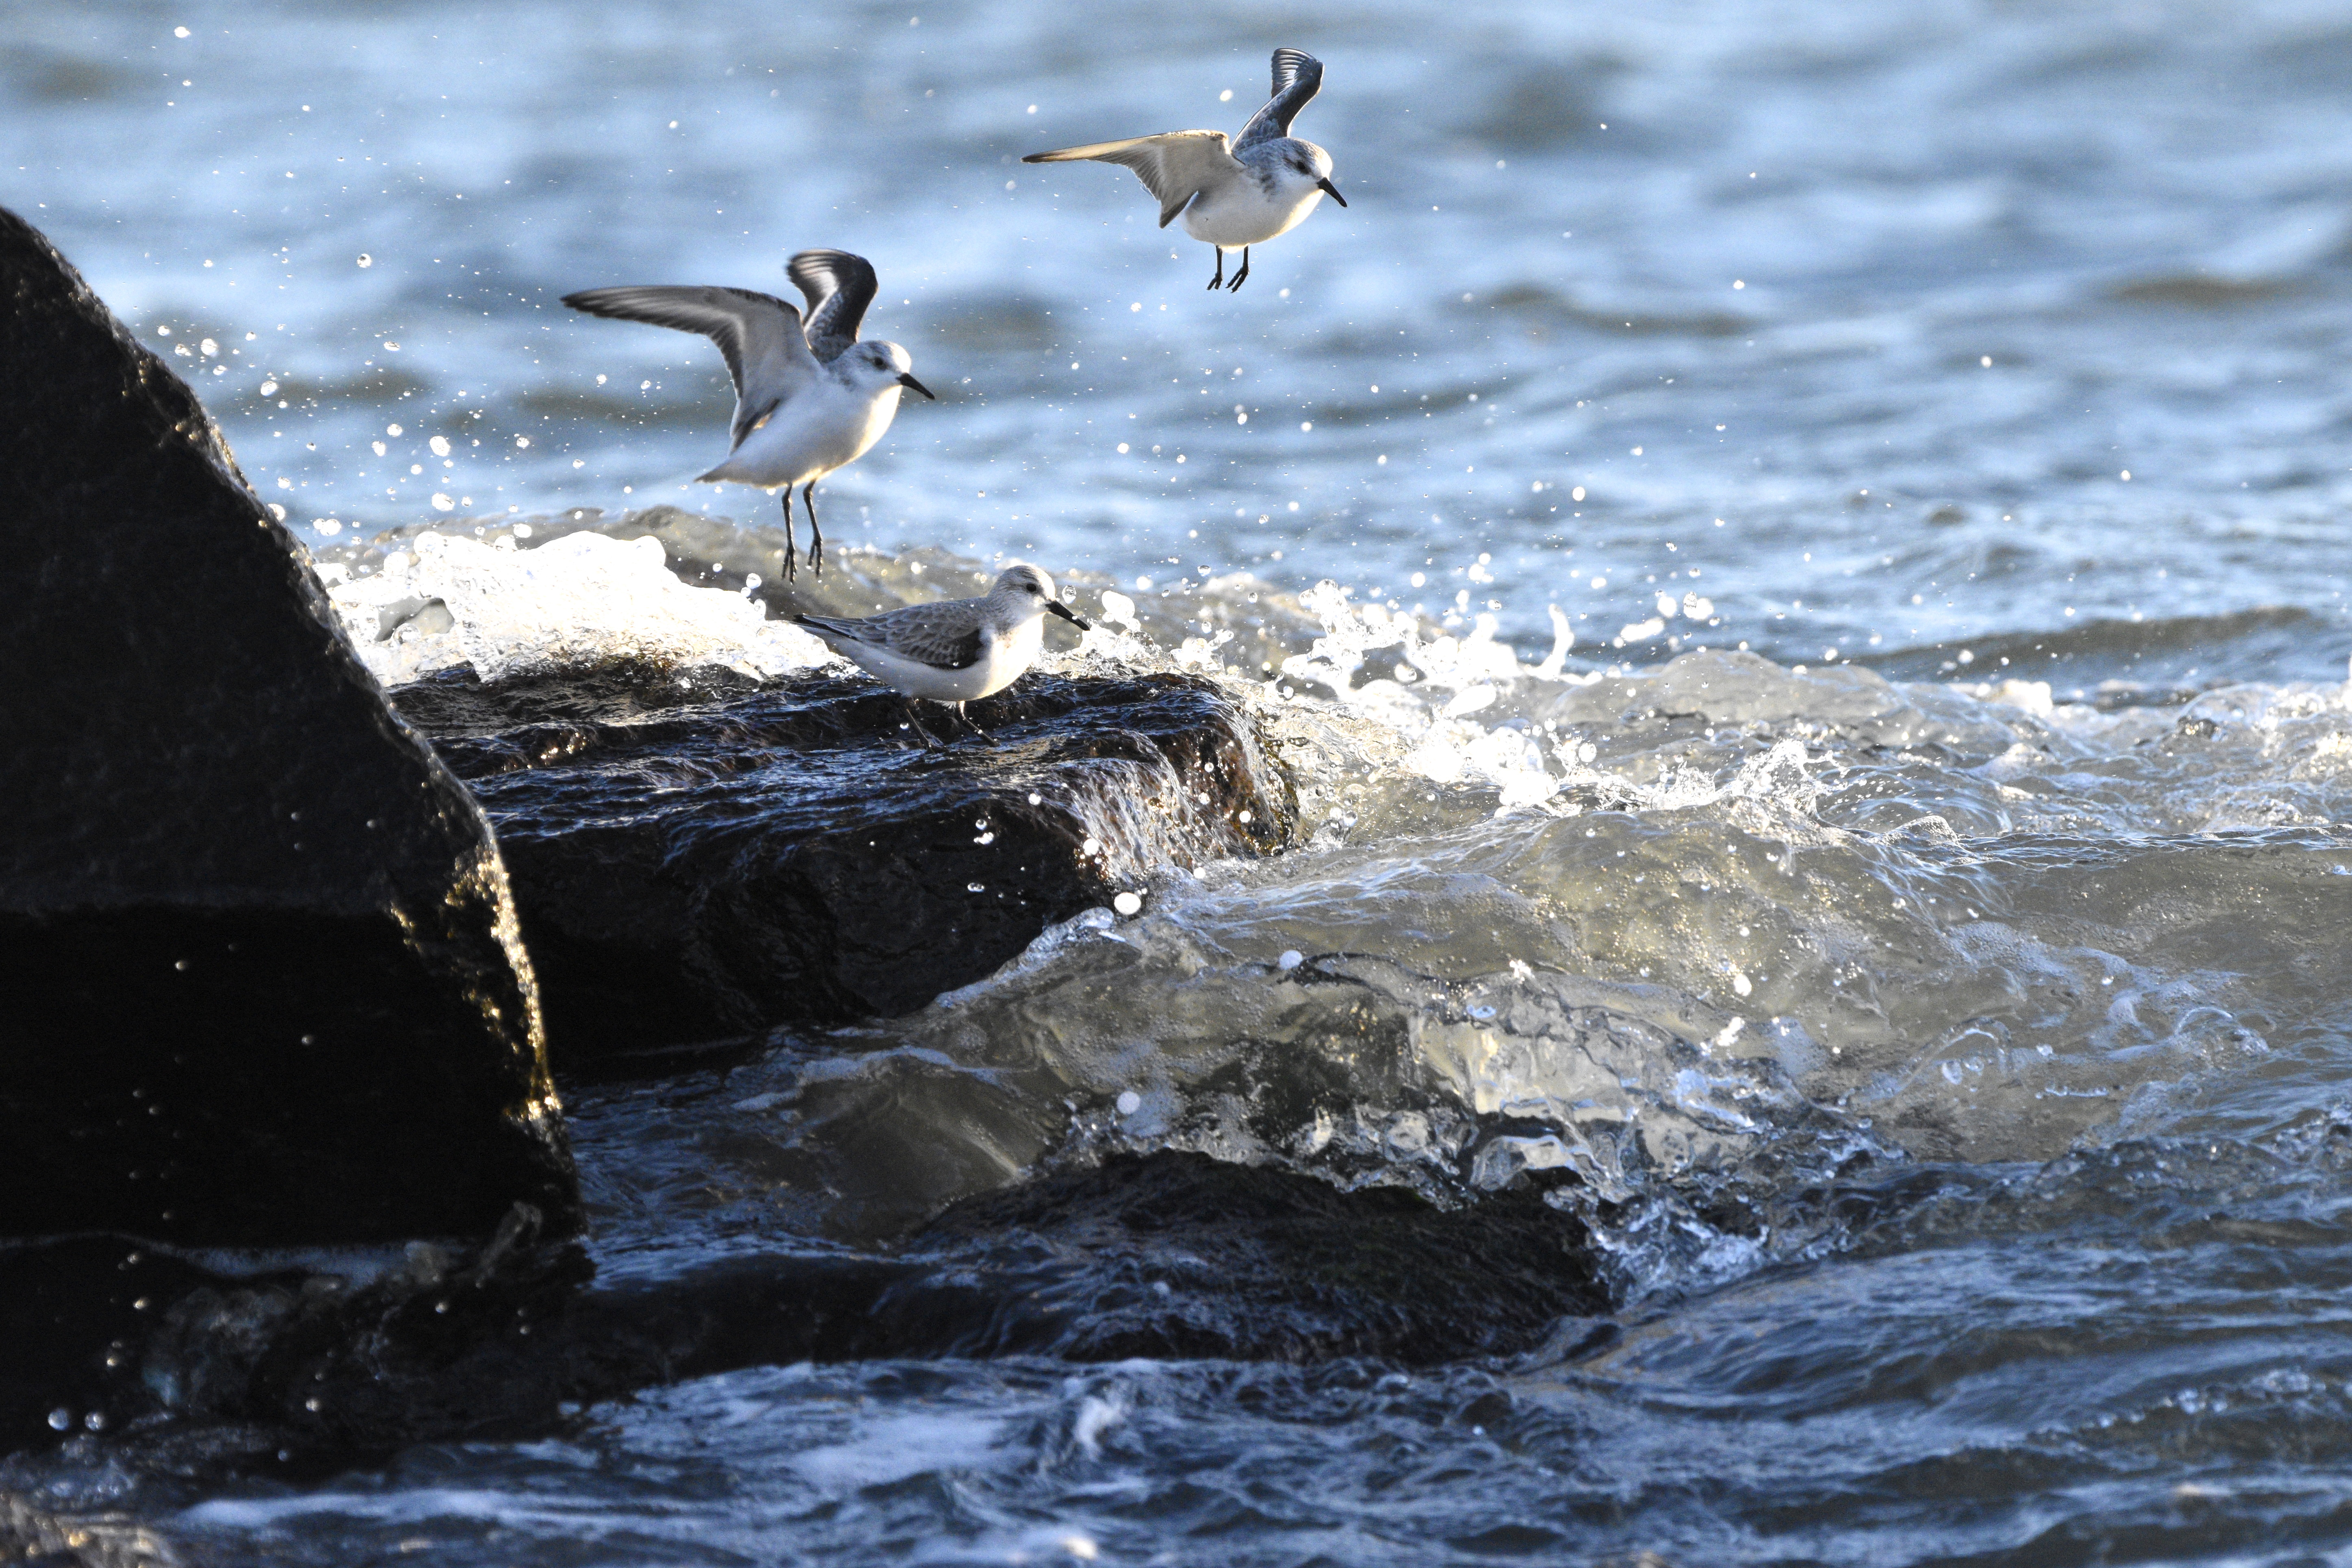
(1980, 342)
(1899, 293)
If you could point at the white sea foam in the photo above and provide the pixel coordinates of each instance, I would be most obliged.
(891, 1449)
(581, 599)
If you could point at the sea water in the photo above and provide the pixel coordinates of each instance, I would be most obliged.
(1793, 553)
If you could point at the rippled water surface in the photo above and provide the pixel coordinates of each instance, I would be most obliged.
(1947, 1052)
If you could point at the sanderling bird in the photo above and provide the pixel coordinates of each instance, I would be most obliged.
(1233, 195)
(807, 401)
(955, 650)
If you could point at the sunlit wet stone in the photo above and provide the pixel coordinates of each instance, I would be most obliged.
(698, 855)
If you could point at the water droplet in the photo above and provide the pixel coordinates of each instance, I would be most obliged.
(1129, 1102)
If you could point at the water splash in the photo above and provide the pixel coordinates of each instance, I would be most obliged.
(576, 601)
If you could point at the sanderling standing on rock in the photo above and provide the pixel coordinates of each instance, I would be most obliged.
(807, 401)
(955, 650)
(1238, 194)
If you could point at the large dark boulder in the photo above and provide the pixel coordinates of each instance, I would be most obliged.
(261, 974)
(700, 855)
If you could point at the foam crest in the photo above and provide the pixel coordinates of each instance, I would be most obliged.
(581, 600)
(1430, 689)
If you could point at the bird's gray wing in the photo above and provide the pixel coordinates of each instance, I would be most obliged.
(759, 334)
(839, 287)
(944, 635)
(1177, 166)
(1297, 77)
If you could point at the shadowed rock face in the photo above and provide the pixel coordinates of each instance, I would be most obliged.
(262, 980)
(1167, 1255)
(701, 855)
(1173, 1255)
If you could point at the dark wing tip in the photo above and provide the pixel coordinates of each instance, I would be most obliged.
(817, 273)
(1293, 65)
(838, 625)
(825, 257)
(839, 286)
(1297, 77)
(1036, 157)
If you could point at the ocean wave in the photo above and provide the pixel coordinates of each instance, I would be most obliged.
(1668, 942)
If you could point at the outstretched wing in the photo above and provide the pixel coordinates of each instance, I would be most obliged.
(1177, 166)
(1297, 77)
(944, 635)
(839, 287)
(759, 334)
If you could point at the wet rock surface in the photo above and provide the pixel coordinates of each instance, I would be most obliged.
(1179, 1255)
(699, 854)
(256, 940)
(1167, 1255)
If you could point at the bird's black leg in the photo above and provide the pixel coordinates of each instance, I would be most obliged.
(792, 555)
(915, 718)
(971, 724)
(1236, 283)
(816, 539)
(1219, 279)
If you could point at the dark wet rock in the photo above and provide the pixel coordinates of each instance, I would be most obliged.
(1167, 1255)
(124, 1338)
(699, 855)
(1177, 1255)
(447, 1345)
(255, 939)
(288, 1372)
(74, 1311)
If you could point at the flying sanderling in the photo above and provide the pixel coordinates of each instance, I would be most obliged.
(955, 650)
(1238, 194)
(807, 401)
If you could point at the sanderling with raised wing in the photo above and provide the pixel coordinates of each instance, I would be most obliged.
(955, 650)
(808, 400)
(1233, 195)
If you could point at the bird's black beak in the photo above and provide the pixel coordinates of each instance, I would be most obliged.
(1328, 189)
(1069, 615)
(927, 392)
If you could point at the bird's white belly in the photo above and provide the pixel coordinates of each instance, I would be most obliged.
(825, 429)
(1003, 661)
(1241, 214)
